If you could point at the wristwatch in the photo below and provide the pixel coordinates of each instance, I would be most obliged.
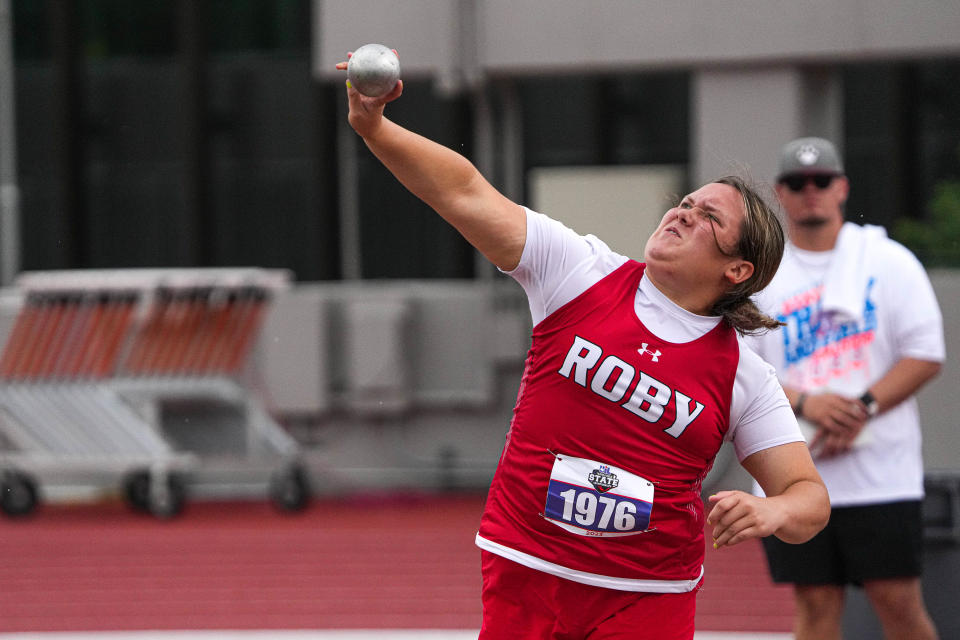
(798, 409)
(873, 407)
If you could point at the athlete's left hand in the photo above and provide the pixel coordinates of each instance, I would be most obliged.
(737, 516)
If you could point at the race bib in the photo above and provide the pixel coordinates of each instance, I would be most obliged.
(591, 498)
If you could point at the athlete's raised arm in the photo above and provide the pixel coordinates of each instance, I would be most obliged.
(442, 178)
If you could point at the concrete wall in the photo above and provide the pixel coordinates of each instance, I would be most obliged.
(392, 384)
(461, 435)
(741, 118)
(940, 400)
(504, 37)
(762, 72)
(621, 205)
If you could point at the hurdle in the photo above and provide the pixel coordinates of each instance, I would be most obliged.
(143, 376)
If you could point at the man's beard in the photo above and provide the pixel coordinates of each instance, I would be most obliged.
(813, 221)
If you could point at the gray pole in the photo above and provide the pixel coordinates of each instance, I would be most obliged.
(9, 192)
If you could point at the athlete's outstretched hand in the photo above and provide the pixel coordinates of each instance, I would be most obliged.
(737, 516)
(366, 113)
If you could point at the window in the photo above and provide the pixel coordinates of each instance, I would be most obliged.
(902, 145)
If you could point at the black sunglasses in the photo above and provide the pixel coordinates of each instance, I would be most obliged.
(796, 181)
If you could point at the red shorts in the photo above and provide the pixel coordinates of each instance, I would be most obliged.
(522, 603)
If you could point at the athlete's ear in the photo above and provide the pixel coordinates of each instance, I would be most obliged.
(738, 271)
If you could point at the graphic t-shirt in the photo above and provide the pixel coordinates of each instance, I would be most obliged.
(821, 348)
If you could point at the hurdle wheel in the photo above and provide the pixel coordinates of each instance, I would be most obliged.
(289, 489)
(18, 494)
(166, 502)
(169, 500)
(136, 489)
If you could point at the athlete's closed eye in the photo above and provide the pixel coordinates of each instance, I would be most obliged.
(707, 215)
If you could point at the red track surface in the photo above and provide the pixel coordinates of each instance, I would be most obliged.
(383, 562)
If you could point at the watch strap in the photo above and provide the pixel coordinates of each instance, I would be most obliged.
(873, 407)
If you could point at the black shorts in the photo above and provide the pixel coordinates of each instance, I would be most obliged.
(858, 544)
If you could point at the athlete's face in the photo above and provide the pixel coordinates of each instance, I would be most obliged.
(702, 231)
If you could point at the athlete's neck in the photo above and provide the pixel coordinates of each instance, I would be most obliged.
(689, 296)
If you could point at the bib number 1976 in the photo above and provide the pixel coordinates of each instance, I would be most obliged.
(591, 498)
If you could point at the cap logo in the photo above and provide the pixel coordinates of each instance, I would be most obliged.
(808, 154)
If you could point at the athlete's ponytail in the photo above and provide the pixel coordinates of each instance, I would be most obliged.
(761, 243)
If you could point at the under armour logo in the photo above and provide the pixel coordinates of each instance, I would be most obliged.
(654, 355)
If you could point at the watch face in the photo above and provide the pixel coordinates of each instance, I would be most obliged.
(873, 407)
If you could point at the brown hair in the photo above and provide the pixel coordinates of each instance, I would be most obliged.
(761, 243)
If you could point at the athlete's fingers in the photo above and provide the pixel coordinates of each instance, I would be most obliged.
(729, 509)
(741, 519)
(720, 505)
(732, 510)
(395, 92)
(731, 538)
(741, 516)
(343, 65)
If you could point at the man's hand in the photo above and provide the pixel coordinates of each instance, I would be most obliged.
(839, 420)
(826, 444)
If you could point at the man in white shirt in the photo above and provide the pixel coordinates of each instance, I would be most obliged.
(851, 356)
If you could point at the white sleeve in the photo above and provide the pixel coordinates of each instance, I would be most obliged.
(760, 414)
(756, 342)
(557, 264)
(765, 342)
(917, 326)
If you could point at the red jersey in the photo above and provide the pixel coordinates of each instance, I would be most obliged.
(613, 433)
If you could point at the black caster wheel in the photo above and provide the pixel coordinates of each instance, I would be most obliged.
(136, 489)
(289, 489)
(163, 501)
(18, 493)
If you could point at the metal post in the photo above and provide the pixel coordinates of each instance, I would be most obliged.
(191, 62)
(351, 251)
(69, 136)
(9, 191)
(511, 141)
(485, 160)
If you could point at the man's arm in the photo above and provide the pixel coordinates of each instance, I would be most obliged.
(840, 419)
(442, 178)
(902, 380)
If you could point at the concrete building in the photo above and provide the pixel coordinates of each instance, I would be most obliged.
(166, 147)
